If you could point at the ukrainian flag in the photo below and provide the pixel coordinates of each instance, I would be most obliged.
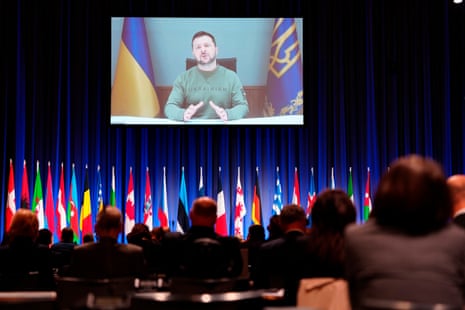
(133, 91)
(284, 83)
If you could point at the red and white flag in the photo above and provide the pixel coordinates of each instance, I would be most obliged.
(61, 207)
(11, 204)
(296, 191)
(49, 203)
(240, 211)
(163, 207)
(130, 208)
(25, 200)
(148, 212)
(221, 226)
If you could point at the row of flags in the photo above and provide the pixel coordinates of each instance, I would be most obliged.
(135, 80)
(79, 217)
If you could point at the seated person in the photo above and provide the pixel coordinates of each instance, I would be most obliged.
(408, 249)
(25, 264)
(200, 252)
(61, 251)
(206, 90)
(106, 258)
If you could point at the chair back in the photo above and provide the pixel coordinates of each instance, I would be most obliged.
(382, 304)
(229, 63)
(323, 293)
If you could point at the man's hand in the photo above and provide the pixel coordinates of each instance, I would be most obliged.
(219, 111)
(191, 110)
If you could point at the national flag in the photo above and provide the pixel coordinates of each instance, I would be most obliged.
(100, 190)
(11, 203)
(350, 188)
(367, 200)
(296, 191)
(284, 82)
(278, 195)
(49, 203)
(85, 223)
(333, 183)
(221, 227)
(257, 217)
(113, 191)
(72, 213)
(148, 211)
(61, 209)
(311, 196)
(130, 218)
(163, 207)
(201, 186)
(183, 220)
(133, 90)
(38, 200)
(240, 211)
(25, 201)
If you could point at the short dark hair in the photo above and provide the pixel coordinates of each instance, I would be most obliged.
(413, 196)
(67, 235)
(333, 210)
(201, 34)
(292, 213)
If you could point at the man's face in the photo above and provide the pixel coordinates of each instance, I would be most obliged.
(204, 50)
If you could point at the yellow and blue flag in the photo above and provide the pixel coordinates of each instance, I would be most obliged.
(284, 83)
(133, 91)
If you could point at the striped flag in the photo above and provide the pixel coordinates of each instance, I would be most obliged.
(113, 190)
(148, 211)
(49, 203)
(240, 211)
(163, 207)
(133, 90)
(183, 220)
(100, 203)
(72, 213)
(221, 226)
(333, 182)
(296, 191)
(284, 82)
(85, 223)
(11, 203)
(278, 195)
(61, 209)
(38, 200)
(130, 207)
(311, 197)
(25, 201)
(367, 200)
(350, 188)
(201, 186)
(257, 217)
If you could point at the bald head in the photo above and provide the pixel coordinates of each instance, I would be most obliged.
(203, 212)
(456, 185)
(109, 222)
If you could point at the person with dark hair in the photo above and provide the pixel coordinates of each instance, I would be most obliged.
(140, 235)
(280, 261)
(255, 238)
(456, 185)
(45, 237)
(24, 263)
(206, 90)
(274, 228)
(331, 213)
(88, 238)
(61, 251)
(107, 258)
(408, 250)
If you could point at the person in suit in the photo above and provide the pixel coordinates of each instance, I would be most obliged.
(331, 213)
(61, 251)
(201, 252)
(106, 258)
(408, 249)
(24, 263)
(456, 184)
(280, 261)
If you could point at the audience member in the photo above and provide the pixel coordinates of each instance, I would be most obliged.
(274, 228)
(25, 264)
(281, 261)
(456, 185)
(45, 237)
(332, 212)
(61, 251)
(255, 238)
(408, 250)
(200, 252)
(88, 238)
(140, 235)
(107, 258)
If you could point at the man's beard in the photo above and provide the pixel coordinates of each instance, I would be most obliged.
(211, 60)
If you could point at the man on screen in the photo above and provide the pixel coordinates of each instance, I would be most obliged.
(206, 91)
